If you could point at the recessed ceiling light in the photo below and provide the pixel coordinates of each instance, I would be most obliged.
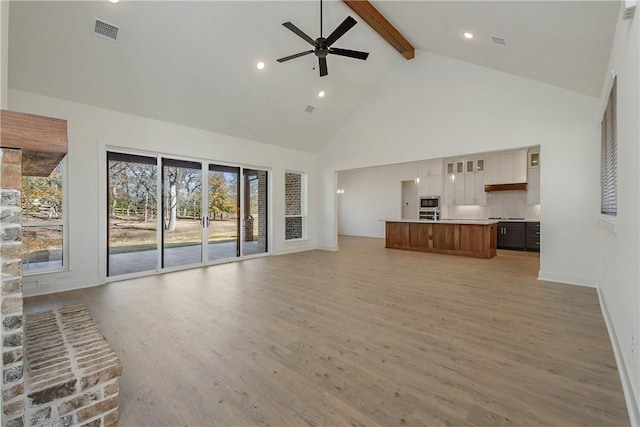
(468, 35)
(260, 65)
(114, 1)
(321, 94)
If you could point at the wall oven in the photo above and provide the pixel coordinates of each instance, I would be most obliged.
(429, 208)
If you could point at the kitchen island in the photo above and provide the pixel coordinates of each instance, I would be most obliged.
(474, 238)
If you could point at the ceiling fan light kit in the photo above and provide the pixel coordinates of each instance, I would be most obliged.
(322, 46)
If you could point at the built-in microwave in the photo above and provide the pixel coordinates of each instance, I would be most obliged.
(430, 202)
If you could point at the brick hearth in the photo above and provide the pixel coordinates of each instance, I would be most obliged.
(71, 373)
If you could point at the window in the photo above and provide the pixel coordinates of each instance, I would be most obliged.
(609, 158)
(43, 221)
(295, 205)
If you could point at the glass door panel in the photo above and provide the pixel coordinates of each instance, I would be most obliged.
(223, 224)
(132, 234)
(254, 215)
(182, 217)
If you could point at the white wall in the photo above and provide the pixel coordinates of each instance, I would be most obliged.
(620, 245)
(4, 53)
(90, 128)
(433, 106)
(370, 195)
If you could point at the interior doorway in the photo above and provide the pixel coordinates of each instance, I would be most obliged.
(409, 199)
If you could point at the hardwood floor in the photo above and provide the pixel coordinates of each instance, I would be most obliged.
(363, 336)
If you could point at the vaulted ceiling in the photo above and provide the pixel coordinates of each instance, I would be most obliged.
(193, 63)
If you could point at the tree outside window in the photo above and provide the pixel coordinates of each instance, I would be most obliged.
(43, 221)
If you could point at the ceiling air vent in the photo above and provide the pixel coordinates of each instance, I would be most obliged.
(499, 41)
(309, 108)
(104, 29)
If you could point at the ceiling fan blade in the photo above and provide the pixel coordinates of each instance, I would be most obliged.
(350, 53)
(323, 66)
(342, 28)
(297, 55)
(299, 32)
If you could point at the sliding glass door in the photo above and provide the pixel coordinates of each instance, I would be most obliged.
(223, 216)
(166, 213)
(182, 218)
(132, 233)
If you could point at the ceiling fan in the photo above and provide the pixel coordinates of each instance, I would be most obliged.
(322, 47)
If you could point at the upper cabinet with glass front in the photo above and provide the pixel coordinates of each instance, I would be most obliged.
(534, 159)
(533, 177)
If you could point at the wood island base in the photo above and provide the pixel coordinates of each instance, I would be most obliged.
(466, 239)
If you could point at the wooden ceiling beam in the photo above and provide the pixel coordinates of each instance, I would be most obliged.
(379, 23)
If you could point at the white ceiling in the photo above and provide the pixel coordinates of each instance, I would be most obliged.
(193, 63)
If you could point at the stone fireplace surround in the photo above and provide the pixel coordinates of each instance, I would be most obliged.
(57, 368)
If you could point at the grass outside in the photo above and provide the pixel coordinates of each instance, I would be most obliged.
(131, 234)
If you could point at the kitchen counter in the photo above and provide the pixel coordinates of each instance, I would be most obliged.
(447, 221)
(474, 238)
(517, 220)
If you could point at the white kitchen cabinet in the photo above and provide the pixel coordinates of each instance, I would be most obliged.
(458, 190)
(469, 189)
(450, 168)
(481, 196)
(533, 186)
(449, 190)
(430, 167)
(507, 168)
(430, 173)
(464, 182)
(430, 186)
(435, 185)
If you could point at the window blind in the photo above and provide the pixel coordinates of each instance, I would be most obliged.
(609, 157)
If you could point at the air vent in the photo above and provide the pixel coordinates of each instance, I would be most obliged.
(629, 8)
(309, 108)
(499, 41)
(104, 29)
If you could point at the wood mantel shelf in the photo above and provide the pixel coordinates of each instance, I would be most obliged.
(43, 140)
(520, 186)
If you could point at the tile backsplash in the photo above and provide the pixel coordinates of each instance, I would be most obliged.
(507, 204)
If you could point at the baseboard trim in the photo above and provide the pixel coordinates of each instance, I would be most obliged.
(294, 250)
(627, 385)
(68, 286)
(563, 278)
(328, 248)
(362, 235)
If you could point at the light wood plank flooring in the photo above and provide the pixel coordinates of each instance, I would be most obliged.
(363, 336)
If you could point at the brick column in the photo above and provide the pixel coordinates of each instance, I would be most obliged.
(262, 206)
(11, 294)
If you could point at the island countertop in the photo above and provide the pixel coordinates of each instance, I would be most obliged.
(447, 221)
(475, 238)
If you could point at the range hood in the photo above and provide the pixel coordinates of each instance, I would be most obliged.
(520, 186)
